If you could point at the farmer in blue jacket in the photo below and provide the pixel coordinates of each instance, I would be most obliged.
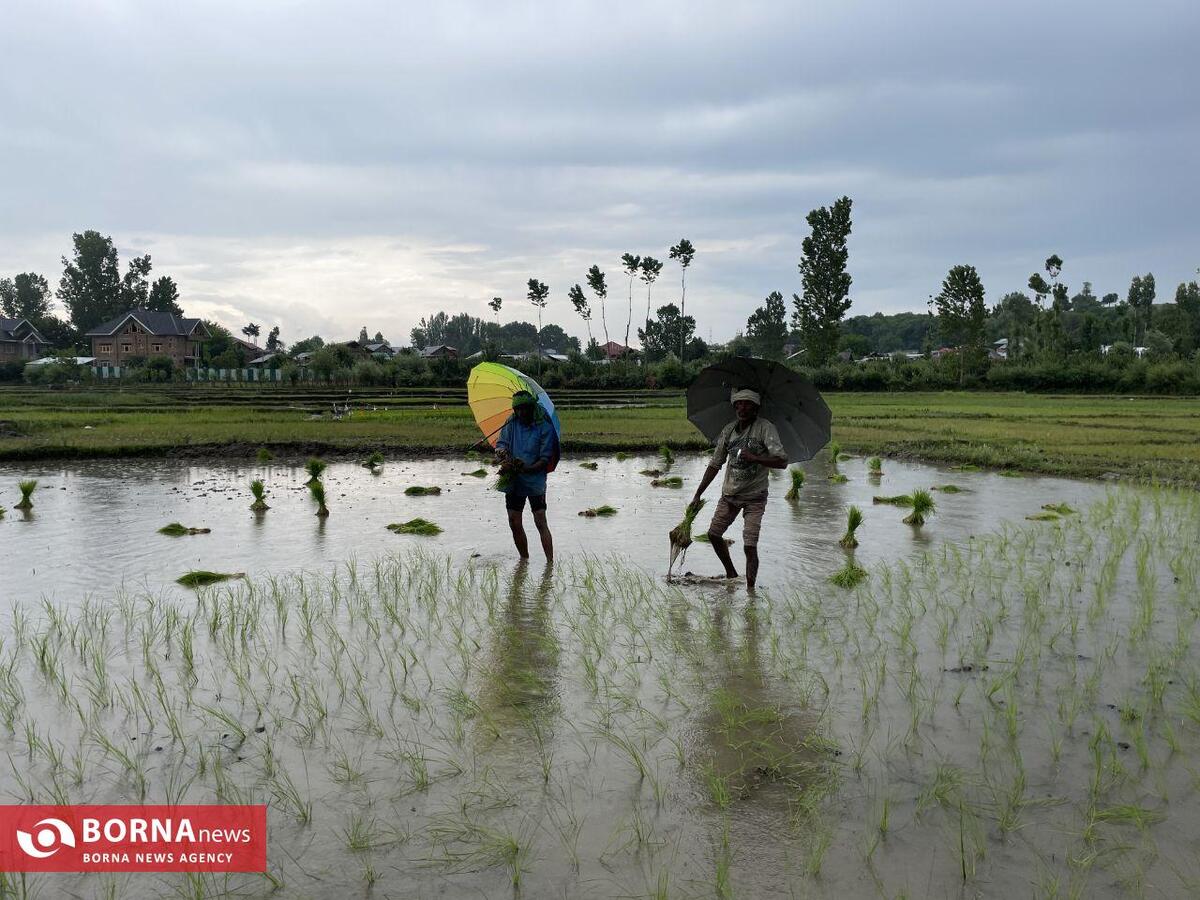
(527, 449)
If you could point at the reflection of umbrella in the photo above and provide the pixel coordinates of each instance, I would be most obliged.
(789, 402)
(490, 388)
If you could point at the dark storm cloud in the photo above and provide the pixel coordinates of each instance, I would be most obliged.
(310, 162)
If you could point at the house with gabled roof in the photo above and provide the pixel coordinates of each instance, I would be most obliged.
(142, 333)
(20, 340)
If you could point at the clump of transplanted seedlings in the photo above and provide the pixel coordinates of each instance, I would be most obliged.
(875, 466)
(259, 490)
(854, 518)
(317, 489)
(949, 489)
(264, 455)
(374, 461)
(1061, 509)
(651, 473)
(589, 465)
(202, 578)
(595, 511)
(1046, 516)
(315, 468)
(1011, 473)
(835, 453)
(849, 575)
(666, 455)
(175, 529)
(894, 500)
(797, 482)
(838, 478)
(418, 490)
(703, 538)
(27, 488)
(478, 473)
(681, 534)
(671, 481)
(922, 506)
(415, 526)
(622, 456)
(2, 512)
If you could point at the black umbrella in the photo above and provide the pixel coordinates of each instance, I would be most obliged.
(789, 402)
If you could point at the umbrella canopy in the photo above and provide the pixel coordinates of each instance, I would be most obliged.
(789, 402)
(490, 388)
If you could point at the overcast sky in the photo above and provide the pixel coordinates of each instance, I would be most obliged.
(328, 165)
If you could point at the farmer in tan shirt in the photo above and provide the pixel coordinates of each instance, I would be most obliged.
(750, 445)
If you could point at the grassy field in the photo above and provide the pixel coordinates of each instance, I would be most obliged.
(1136, 438)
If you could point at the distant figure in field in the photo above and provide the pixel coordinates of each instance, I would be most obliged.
(526, 449)
(750, 445)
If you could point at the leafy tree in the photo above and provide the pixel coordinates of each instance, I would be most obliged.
(1085, 300)
(767, 329)
(1158, 345)
(90, 287)
(595, 280)
(378, 337)
(308, 345)
(135, 285)
(495, 303)
(1141, 301)
(252, 331)
(555, 338)
(1187, 298)
(220, 350)
(632, 265)
(665, 332)
(1048, 330)
(26, 296)
(683, 253)
(651, 268)
(582, 307)
(1110, 299)
(430, 331)
(274, 344)
(962, 314)
(819, 311)
(538, 294)
(1013, 316)
(164, 296)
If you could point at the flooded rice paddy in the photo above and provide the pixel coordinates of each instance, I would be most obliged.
(1003, 707)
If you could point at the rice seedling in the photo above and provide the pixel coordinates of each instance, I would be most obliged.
(417, 490)
(317, 489)
(1010, 473)
(797, 475)
(1061, 509)
(703, 538)
(604, 510)
(838, 478)
(622, 456)
(894, 500)
(315, 468)
(202, 578)
(175, 529)
(374, 461)
(665, 454)
(681, 534)
(264, 455)
(1044, 517)
(949, 489)
(835, 453)
(875, 465)
(854, 518)
(2, 512)
(258, 489)
(922, 506)
(415, 526)
(589, 465)
(27, 487)
(651, 473)
(671, 481)
(849, 575)
(478, 473)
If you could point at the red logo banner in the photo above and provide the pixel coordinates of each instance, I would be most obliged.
(144, 838)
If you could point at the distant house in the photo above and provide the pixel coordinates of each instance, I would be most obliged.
(441, 351)
(545, 353)
(304, 358)
(68, 360)
(252, 349)
(380, 349)
(20, 340)
(613, 350)
(142, 333)
(264, 361)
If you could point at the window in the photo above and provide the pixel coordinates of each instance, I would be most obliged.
(125, 348)
(157, 348)
(105, 348)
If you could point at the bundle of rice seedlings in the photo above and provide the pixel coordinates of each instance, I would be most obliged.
(875, 465)
(966, 467)
(673, 481)
(1009, 473)
(668, 457)
(264, 455)
(317, 489)
(1061, 508)
(681, 534)
(478, 473)
(258, 489)
(895, 500)
(651, 473)
(200, 578)
(2, 512)
(504, 482)
(27, 488)
(375, 459)
(473, 454)
(948, 488)
(703, 538)
(415, 526)
(175, 529)
(849, 575)
(314, 467)
(589, 465)
(604, 510)
(797, 483)
(838, 478)
(854, 518)
(922, 506)
(418, 490)
(622, 456)
(835, 453)
(1043, 517)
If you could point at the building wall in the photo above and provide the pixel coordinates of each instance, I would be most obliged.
(14, 350)
(133, 341)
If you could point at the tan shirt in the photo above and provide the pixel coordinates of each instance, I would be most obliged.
(746, 479)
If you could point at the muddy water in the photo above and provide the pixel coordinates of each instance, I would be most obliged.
(93, 529)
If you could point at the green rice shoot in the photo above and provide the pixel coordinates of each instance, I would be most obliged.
(797, 482)
(415, 526)
(589, 465)
(838, 478)
(315, 468)
(848, 576)
(671, 481)
(894, 499)
(666, 455)
(176, 529)
(478, 473)
(922, 506)
(201, 578)
(259, 490)
(1061, 509)
(703, 538)
(681, 534)
(604, 510)
(374, 460)
(854, 518)
(950, 489)
(875, 465)
(419, 490)
(27, 488)
(317, 489)
(264, 455)
(1044, 517)
(622, 456)
(651, 473)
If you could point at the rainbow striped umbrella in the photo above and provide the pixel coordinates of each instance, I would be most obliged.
(490, 388)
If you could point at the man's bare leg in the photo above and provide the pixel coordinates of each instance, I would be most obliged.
(543, 527)
(518, 532)
(751, 566)
(722, 550)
